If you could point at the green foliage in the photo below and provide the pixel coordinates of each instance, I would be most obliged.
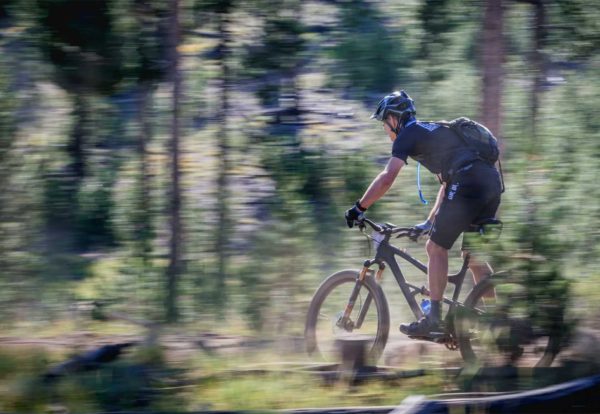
(143, 33)
(438, 18)
(281, 47)
(576, 29)
(442, 21)
(279, 391)
(21, 390)
(279, 51)
(4, 7)
(274, 279)
(312, 189)
(96, 44)
(124, 384)
(214, 6)
(114, 387)
(78, 39)
(367, 55)
(7, 106)
(89, 225)
(14, 361)
(7, 122)
(95, 205)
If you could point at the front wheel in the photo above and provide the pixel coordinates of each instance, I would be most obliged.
(369, 319)
(500, 324)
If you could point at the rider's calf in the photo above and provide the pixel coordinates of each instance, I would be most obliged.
(437, 269)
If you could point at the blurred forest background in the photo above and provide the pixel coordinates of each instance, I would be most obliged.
(195, 166)
(189, 161)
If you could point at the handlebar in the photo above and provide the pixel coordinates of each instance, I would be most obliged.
(386, 228)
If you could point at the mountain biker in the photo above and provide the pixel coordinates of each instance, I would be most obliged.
(470, 192)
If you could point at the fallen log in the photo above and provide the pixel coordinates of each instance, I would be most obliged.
(86, 362)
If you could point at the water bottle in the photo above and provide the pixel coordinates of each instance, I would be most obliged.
(426, 306)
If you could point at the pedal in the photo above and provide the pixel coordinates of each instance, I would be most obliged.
(437, 337)
(441, 339)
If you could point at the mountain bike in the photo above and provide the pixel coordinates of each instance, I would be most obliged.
(493, 325)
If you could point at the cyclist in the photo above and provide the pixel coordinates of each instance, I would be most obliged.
(470, 191)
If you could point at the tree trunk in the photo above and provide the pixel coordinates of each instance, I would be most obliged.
(222, 238)
(492, 58)
(144, 217)
(75, 147)
(539, 68)
(539, 73)
(174, 268)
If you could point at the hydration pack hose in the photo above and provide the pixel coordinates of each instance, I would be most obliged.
(419, 184)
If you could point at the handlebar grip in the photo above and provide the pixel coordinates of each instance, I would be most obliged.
(373, 225)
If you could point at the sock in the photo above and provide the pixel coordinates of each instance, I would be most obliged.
(436, 310)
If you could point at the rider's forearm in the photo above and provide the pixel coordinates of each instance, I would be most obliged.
(438, 201)
(380, 185)
(382, 182)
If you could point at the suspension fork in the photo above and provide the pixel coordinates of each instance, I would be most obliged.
(365, 308)
(369, 299)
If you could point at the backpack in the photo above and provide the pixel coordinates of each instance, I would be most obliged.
(477, 137)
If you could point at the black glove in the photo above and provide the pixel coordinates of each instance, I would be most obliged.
(420, 229)
(355, 213)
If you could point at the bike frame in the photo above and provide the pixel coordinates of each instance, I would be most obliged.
(386, 254)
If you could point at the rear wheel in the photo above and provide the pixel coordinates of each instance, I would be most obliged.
(501, 330)
(369, 319)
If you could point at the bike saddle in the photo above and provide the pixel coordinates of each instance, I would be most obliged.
(481, 226)
(488, 221)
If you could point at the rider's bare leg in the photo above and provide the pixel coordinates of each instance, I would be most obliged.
(480, 270)
(437, 271)
(438, 278)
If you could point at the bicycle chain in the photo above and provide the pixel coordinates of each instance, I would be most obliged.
(451, 344)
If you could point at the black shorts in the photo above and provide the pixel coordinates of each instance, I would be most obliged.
(473, 194)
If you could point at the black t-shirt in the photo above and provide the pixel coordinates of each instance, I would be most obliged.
(434, 145)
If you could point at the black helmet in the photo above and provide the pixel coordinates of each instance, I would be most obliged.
(398, 103)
